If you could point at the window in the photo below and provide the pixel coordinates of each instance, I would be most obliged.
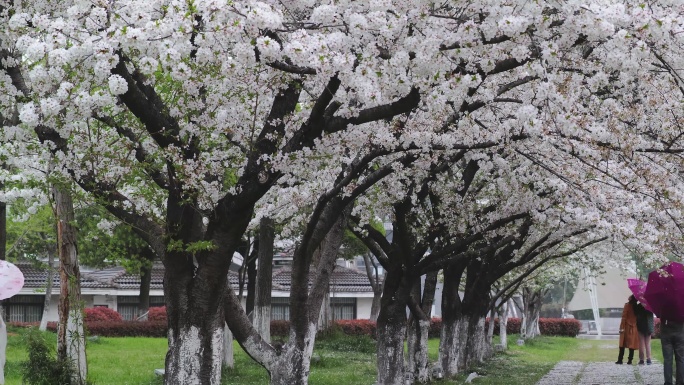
(128, 306)
(343, 308)
(24, 308)
(280, 309)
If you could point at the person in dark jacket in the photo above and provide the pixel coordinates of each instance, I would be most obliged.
(645, 328)
(629, 336)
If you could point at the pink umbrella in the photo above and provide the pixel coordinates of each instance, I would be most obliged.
(638, 288)
(665, 292)
(11, 279)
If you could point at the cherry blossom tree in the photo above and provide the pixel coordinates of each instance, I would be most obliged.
(180, 117)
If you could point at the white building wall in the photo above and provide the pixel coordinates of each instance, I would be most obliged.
(53, 311)
(105, 300)
(53, 314)
(363, 308)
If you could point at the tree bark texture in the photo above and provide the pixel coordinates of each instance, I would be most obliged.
(228, 357)
(290, 363)
(532, 303)
(251, 284)
(70, 333)
(327, 316)
(375, 306)
(144, 295)
(305, 301)
(195, 320)
(490, 327)
(503, 325)
(264, 279)
(376, 282)
(48, 290)
(391, 328)
(463, 336)
(419, 327)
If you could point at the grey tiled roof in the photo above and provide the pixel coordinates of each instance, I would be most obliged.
(36, 277)
(343, 279)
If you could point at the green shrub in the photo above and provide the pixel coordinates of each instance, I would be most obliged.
(42, 368)
(335, 339)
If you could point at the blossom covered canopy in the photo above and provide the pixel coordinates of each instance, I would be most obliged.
(582, 100)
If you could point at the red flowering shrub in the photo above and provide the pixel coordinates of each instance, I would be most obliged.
(126, 329)
(157, 314)
(559, 327)
(100, 314)
(357, 327)
(435, 327)
(512, 326)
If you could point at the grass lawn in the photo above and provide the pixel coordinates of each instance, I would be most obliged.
(525, 365)
(338, 361)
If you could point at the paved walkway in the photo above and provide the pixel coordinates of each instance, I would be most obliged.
(603, 373)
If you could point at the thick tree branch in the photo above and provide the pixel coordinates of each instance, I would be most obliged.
(145, 104)
(402, 106)
(141, 155)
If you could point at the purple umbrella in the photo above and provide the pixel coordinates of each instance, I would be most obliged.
(638, 288)
(665, 292)
(11, 279)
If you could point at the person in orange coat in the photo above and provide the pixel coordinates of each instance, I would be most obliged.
(629, 335)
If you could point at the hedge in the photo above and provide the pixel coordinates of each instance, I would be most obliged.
(155, 328)
(547, 326)
(127, 329)
(559, 327)
(358, 327)
(100, 314)
(157, 314)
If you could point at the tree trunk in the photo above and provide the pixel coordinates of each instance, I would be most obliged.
(293, 364)
(532, 302)
(463, 342)
(463, 336)
(70, 335)
(477, 349)
(48, 291)
(417, 344)
(195, 314)
(327, 317)
(375, 305)
(492, 321)
(376, 283)
(450, 347)
(452, 343)
(391, 328)
(419, 327)
(264, 280)
(251, 284)
(144, 295)
(290, 364)
(503, 325)
(306, 302)
(228, 359)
